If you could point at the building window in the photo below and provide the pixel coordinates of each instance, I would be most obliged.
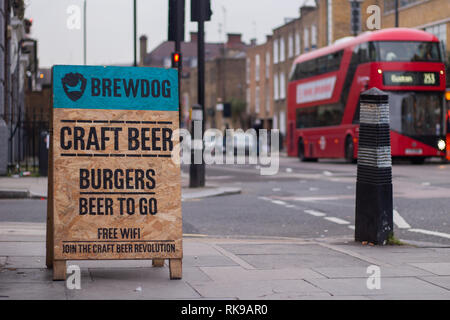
(275, 51)
(248, 100)
(282, 86)
(267, 64)
(257, 100)
(313, 36)
(257, 65)
(282, 56)
(305, 40)
(267, 103)
(389, 5)
(247, 70)
(282, 123)
(167, 62)
(297, 43)
(291, 45)
(275, 87)
(440, 31)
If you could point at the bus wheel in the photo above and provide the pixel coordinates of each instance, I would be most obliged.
(349, 150)
(418, 160)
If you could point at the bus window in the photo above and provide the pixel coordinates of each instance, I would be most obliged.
(407, 51)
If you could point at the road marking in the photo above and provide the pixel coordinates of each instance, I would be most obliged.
(336, 220)
(351, 227)
(399, 221)
(315, 213)
(265, 198)
(312, 199)
(279, 202)
(431, 233)
(290, 206)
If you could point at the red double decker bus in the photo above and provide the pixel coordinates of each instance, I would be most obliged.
(325, 85)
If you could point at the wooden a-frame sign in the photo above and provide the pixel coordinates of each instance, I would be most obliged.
(114, 191)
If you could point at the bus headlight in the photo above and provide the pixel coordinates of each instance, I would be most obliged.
(441, 145)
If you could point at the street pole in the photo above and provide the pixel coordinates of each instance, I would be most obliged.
(178, 37)
(197, 171)
(396, 13)
(134, 33)
(84, 32)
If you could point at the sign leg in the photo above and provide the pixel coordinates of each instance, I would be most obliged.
(176, 271)
(158, 263)
(59, 269)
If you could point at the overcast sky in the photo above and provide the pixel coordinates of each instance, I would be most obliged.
(110, 26)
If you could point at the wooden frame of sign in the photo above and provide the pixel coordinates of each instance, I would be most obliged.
(114, 188)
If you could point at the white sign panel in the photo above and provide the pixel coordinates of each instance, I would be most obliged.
(315, 90)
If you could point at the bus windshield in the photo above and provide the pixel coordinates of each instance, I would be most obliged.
(407, 51)
(416, 113)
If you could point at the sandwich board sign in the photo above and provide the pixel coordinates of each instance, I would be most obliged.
(114, 191)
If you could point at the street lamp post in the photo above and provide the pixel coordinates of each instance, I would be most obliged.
(135, 33)
(84, 32)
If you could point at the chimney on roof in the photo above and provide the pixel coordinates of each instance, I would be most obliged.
(143, 49)
(234, 38)
(194, 36)
(253, 42)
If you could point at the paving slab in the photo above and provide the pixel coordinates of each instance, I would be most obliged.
(437, 268)
(207, 261)
(54, 290)
(443, 282)
(361, 272)
(8, 275)
(26, 262)
(390, 286)
(281, 261)
(268, 289)
(21, 249)
(238, 274)
(133, 284)
(270, 248)
(191, 247)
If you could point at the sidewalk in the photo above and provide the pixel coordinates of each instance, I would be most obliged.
(231, 268)
(29, 187)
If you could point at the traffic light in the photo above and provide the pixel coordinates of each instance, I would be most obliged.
(355, 19)
(176, 20)
(176, 60)
(196, 6)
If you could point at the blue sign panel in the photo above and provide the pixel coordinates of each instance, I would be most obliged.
(118, 88)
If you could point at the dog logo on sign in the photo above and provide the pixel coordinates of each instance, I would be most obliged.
(74, 85)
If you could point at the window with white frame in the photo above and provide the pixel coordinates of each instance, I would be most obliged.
(267, 102)
(298, 44)
(305, 39)
(257, 65)
(257, 100)
(313, 36)
(282, 86)
(282, 53)
(248, 100)
(247, 70)
(275, 51)
(267, 64)
(440, 31)
(275, 87)
(290, 45)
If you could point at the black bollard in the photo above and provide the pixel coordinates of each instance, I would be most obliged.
(374, 216)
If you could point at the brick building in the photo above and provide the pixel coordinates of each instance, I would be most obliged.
(224, 73)
(259, 81)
